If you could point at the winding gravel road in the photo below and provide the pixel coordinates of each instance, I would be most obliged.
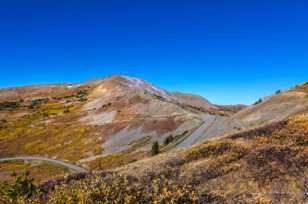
(71, 167)
(211, 127)
(198, 133)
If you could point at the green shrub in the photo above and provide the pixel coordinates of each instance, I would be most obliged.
(82, 92)
(82, 95)
(38, 102)
(9, 105)
(22, 187)
(155, 148)
(168, 140)
(258, 101)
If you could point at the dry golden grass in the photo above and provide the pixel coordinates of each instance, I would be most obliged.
(52, 129)
(40, 171)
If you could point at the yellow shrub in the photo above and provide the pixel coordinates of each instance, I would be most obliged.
(37, 146)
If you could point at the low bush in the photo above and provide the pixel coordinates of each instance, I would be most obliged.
(216, 149)
(9, 105)
(22, 188)
(112, 188)
(38, 102)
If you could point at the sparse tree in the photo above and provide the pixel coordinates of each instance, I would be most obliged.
(155, 148)
(168, 140)
(257, 102)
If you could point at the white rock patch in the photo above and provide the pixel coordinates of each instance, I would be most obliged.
(143, 85)
(100, 118)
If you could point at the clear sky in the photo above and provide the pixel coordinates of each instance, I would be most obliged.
(229, 51)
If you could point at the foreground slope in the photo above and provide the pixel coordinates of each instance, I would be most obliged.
(268, 164)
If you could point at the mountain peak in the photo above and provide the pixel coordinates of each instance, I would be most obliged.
(139, 84)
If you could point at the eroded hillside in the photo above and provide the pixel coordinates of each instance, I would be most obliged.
(97, 124)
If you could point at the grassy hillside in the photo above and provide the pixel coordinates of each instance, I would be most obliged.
(40, 171)
(95, 124)
(264, 165)
(47, 127)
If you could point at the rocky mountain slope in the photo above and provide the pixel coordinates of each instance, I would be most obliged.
(273, 108)
(219, 154)
(110, 122)
(91, 123)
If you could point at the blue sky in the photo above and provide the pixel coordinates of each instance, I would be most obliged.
(227, 51)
